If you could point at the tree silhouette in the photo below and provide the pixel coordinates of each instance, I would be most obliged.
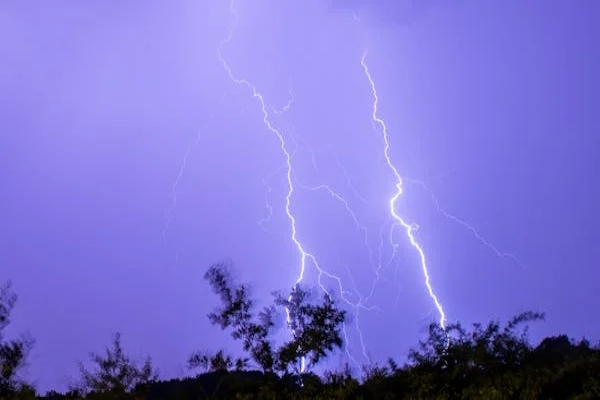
(453, 359)
(218, 362)
(115, 374)
(485, 362)
(315, 329)
(316, 326)
(13, 353)
(236, 313)
(489, 362)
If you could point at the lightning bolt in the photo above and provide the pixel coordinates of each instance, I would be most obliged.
(352, 298)
(306, 257)
(408, 228)
(289, 146)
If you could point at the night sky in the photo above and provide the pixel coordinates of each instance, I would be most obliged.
(130, 161)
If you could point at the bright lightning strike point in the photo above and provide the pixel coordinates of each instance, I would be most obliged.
(409, 229)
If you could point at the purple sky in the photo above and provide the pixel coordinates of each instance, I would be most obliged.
(492, 105)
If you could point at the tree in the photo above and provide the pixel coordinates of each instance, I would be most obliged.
(116, 373)
(452, 359)
(236, 313)
(13, 353)
(218, 362)
(316, 327)
(563, 368)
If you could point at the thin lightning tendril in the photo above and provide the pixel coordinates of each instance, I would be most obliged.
(182, 167)
(409, 229)
(469, 227)
(173, 192)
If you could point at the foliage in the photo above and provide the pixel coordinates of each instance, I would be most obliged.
(236, 313)
(218, 362)
(316, 327)
(116, 373)
(316, 330)
(13, 353)
(484, 362)
(453, 359)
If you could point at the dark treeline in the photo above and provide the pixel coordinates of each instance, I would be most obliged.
(490, 361)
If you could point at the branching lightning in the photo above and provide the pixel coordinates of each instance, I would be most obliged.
(409, 229)
(394, 222)
(306, 257)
